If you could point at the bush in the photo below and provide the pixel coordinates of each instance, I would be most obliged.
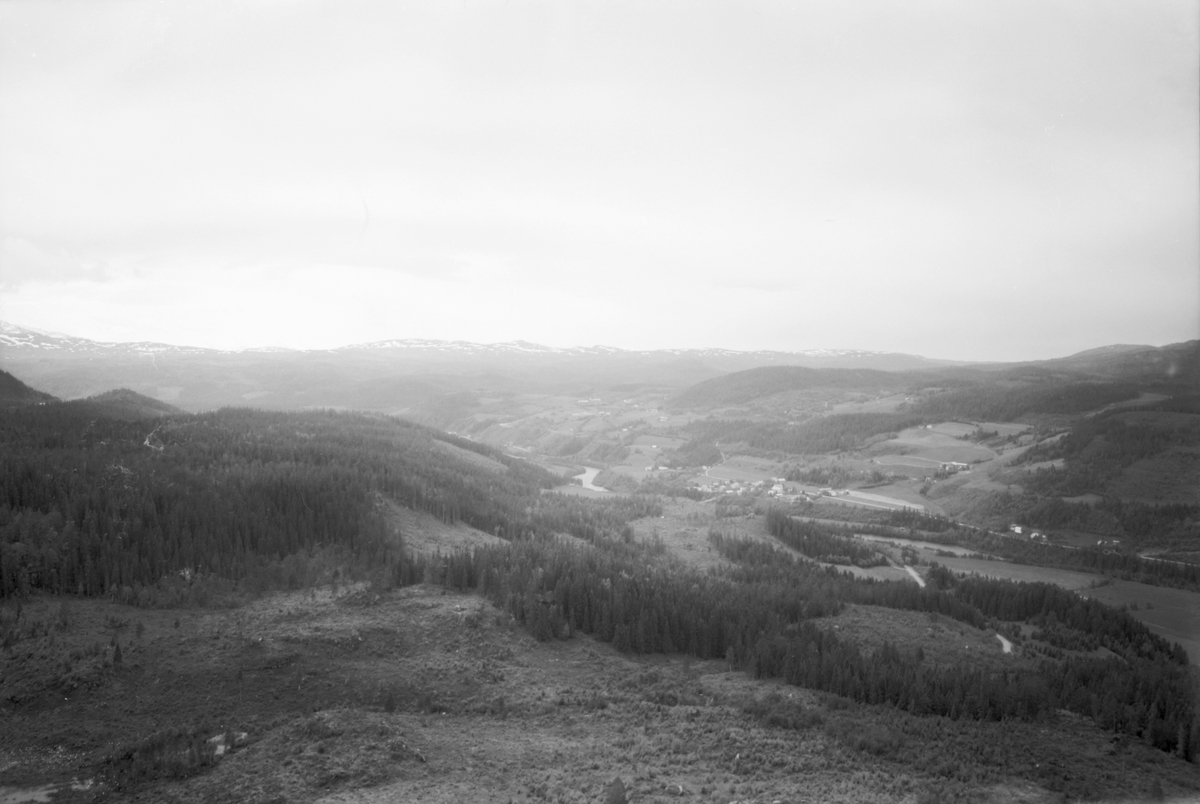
(783, 713)
(871, 738)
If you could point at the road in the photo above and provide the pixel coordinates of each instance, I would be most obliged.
(709, 469)
(915, 576)
(1004, 643)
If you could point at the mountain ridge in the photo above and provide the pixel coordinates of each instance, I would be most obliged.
(14, 393)
(406, 376)
(18, 336)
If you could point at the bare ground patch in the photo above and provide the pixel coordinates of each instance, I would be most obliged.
(426, 533)
(419, 694)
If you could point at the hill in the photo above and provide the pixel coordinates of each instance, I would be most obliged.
(1173, 364)
(14, 393)
(123, 403)
(753, 384)
(389, 376)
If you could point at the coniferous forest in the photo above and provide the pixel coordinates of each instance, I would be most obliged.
(93, 505)
(150, 510)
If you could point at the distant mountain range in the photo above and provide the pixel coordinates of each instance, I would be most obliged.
(400, 375)
(390, 375)
(23, 339)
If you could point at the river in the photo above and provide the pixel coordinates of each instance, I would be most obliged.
(589, 474)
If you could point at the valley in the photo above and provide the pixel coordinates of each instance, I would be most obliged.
(600, 577)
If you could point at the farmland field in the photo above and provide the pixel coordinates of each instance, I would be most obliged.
(1067, 579)
(742, 467)
(905, 492)
(1172, 613)
(934, 445)
(870, 500)
(925, 464)
(881, 573)
(920, 545)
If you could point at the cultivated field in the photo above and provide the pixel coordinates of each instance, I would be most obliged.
(1067, 579)
(929, 548)
(1172, 613)
(746, 467)
(934, 444)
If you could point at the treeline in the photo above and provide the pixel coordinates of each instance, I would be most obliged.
(1124, 519)
(94, 505)
(1018, 601)
(821, 542)
(1124, 565)
(834, 476)
(912, 518)
(1127, 519)
(695, 452)
(760, 616)
(1105, 561)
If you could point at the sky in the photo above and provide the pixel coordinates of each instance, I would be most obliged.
(984, 180)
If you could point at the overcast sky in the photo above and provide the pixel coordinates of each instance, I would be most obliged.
(978, 179)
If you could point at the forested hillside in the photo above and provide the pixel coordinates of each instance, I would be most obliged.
(91, 504)
(123, 404)
(989, 400)
(14, 393)
(745, 386)
(762, 615)
(1008, 401)
(1098, 449)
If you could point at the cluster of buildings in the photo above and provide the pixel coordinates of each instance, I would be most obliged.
(776, 487)
(1019, 530)
(770, 488)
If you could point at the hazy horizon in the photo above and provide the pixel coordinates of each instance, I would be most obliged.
(268, 346)
(995, 181)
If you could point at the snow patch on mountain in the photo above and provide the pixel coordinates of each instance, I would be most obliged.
(27, 338)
